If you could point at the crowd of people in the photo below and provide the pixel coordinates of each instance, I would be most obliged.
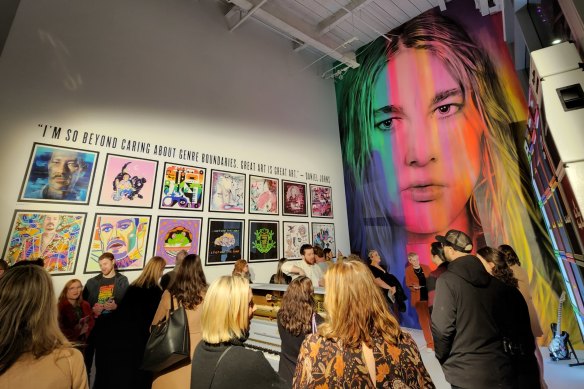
(474, 311)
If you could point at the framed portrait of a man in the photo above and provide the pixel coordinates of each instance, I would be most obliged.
(183, 187)
(128, 182)
(294, 198)
(225, 241)
(57, 174)
(52, 236)
(263, 241)
(175, 234)
(125, 236)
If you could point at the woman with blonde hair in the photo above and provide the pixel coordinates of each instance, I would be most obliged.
(297, 318)
(34, 352)
(221, 361)
(187, 290)
(75, 315)
(130, 329)
(360, 344)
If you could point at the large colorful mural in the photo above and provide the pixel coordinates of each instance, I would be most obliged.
(428, 125)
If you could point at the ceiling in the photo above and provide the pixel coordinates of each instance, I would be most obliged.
(335, 28)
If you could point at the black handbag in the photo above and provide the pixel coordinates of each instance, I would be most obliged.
(169, 342)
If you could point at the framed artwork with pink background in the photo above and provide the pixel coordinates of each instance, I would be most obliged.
(128, 182)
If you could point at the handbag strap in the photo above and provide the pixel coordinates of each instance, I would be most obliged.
(171, 302)
(217, 364)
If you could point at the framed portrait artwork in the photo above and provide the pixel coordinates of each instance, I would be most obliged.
(175, 234)
(128, 182)
(323, 235)
(294, 198)
(225, 241)
(125, 236)
(183, 187)
(263, 195)
(53, 236)
(295, 235)
(57, 174)
(263, 241)
(321, 201)
(227, 192)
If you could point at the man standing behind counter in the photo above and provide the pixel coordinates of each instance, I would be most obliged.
(305, 267)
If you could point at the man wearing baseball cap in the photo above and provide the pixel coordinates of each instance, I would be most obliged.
(465, 327)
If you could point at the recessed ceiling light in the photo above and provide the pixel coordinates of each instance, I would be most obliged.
(556, 41)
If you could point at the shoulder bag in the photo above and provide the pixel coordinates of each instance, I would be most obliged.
(169, 342)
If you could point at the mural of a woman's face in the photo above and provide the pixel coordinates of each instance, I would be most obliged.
(426, 139)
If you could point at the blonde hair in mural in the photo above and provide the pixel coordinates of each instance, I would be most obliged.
(500, 208)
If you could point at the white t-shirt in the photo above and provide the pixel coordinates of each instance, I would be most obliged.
(314, 272)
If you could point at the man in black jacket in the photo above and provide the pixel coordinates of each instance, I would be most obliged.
(466, 320)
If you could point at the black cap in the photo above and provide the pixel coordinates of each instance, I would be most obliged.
(457, 239)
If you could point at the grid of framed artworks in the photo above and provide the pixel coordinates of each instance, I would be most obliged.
(62, 176)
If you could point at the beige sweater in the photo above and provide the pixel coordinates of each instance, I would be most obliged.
(61, 369)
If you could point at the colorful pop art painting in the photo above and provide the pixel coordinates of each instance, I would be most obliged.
(323, 235)
(430, 146)
(183, 187)
(175, 234)
(295, 235)
(294, 198)
(227, 192)
(263, 241)
(225, 241)
(53, 236)
(128, 182)
(125, 236)
(59, 174)
(321, 201)
(263, 195)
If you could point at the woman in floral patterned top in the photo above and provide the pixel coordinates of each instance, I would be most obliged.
(360, 345)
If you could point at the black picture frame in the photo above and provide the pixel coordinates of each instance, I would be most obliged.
(275, 183)
(216, 189)
(180, 199)
(223, 230)
(29, 238)
(292, 238)
(323, 206)
(37, 175)
(263, 246)
(317, 228)
(137, 184)
(138, 236)
(290, 206)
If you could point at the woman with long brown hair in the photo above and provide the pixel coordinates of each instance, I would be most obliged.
(75, 316)
(516, 327)
(360, 339)
(30, 338)
(297, 318)
(187, 290)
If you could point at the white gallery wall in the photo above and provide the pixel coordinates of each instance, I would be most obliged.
(166, 73)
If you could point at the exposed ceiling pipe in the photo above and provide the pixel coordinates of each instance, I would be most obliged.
(298, 29)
